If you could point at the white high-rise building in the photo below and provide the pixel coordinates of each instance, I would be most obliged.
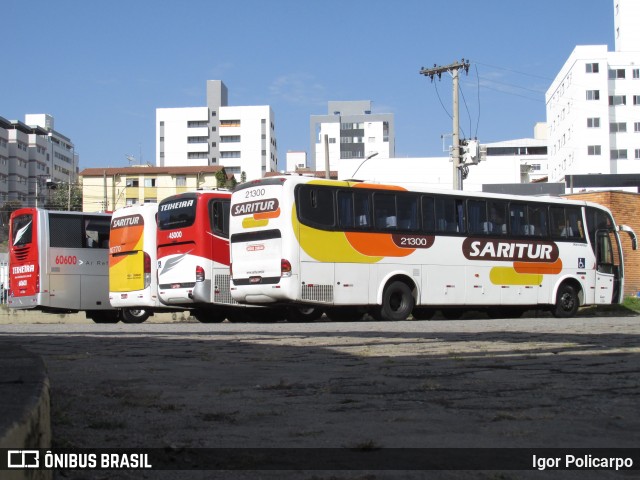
(239, 138)
(593, 105)
(352, 132)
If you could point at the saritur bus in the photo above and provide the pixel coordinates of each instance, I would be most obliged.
(133, 279)
(349, 247)
(58, 262)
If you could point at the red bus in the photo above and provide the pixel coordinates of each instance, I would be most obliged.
(58, 262)
(193, 255)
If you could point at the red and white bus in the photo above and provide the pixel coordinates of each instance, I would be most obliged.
(58, 262)
(350, 246)
(193, 254)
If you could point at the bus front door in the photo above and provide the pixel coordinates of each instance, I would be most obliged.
(607, 269)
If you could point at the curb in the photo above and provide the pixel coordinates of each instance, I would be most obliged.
(25, 421)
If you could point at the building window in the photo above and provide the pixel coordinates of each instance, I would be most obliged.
(593, 150)
(593, 94)
(616, 73)
(229, 138)
(150, 200)
(196, 155)
(132, 182)
(229, 123)
(620, 154)
(636, 73)
(233, 154)
(636, 99)
(637, 155)
(132, 201)
(592, 68)
(617, 127)
(636, 127)
(617, 100)
(181, 181)
(197, 139)
(593, 122)
(150, 182)
(196, 124)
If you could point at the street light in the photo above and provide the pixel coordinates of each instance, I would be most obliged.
(371, 155)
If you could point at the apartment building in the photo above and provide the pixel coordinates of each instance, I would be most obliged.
(106, 189)
(34, 155)
(239, 138)
(593, 104)
(352, 132)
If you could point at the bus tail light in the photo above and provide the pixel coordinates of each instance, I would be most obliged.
(199, 274)
(147, 270)
(285, 268)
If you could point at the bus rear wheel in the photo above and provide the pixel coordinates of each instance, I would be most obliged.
(208, 315)
(134, 315)
(567, 302)
(397, 303)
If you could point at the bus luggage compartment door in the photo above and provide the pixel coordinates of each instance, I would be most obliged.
(64, 291)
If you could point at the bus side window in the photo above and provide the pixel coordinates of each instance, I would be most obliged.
(385, 214)
(96, 232)
(362, 209)
(497, 215)
(220, 217)
(558, 222)
(517, 219)
(575, 228)
(316, 206)
(537, 222)
(428, 215)
(66, 231)
(345, 209)
(477, 212)
(407, 212)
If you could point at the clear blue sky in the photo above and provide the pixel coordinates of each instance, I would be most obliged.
(102, 68)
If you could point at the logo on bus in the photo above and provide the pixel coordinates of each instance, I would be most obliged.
(257, 206)
(23, 269)
(128, 221)
(178, 204)
(475, 248)
(255, 248)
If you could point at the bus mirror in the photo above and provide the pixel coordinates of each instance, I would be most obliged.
(629, 231)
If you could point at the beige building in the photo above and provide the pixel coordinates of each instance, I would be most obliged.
(106, 189)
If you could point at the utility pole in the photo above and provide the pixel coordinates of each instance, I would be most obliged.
(453, 69)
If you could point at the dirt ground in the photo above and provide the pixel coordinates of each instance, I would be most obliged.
(533, 382)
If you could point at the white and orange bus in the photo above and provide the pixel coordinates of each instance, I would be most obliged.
(58, 262)
(349, 246)
(133, 280)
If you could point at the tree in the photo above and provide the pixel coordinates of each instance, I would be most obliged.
(243, 177)
(64, 196)
(221, 178)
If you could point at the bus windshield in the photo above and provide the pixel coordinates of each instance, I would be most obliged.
(22, 230)
(177, 213)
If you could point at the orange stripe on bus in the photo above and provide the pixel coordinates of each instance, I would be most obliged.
(376, 244)
(538, 267)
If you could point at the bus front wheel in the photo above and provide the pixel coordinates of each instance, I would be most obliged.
(397, 303)
(134, 315)
(567, 302)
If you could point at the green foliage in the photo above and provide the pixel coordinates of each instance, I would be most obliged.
(632, 303)
(65, 197)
